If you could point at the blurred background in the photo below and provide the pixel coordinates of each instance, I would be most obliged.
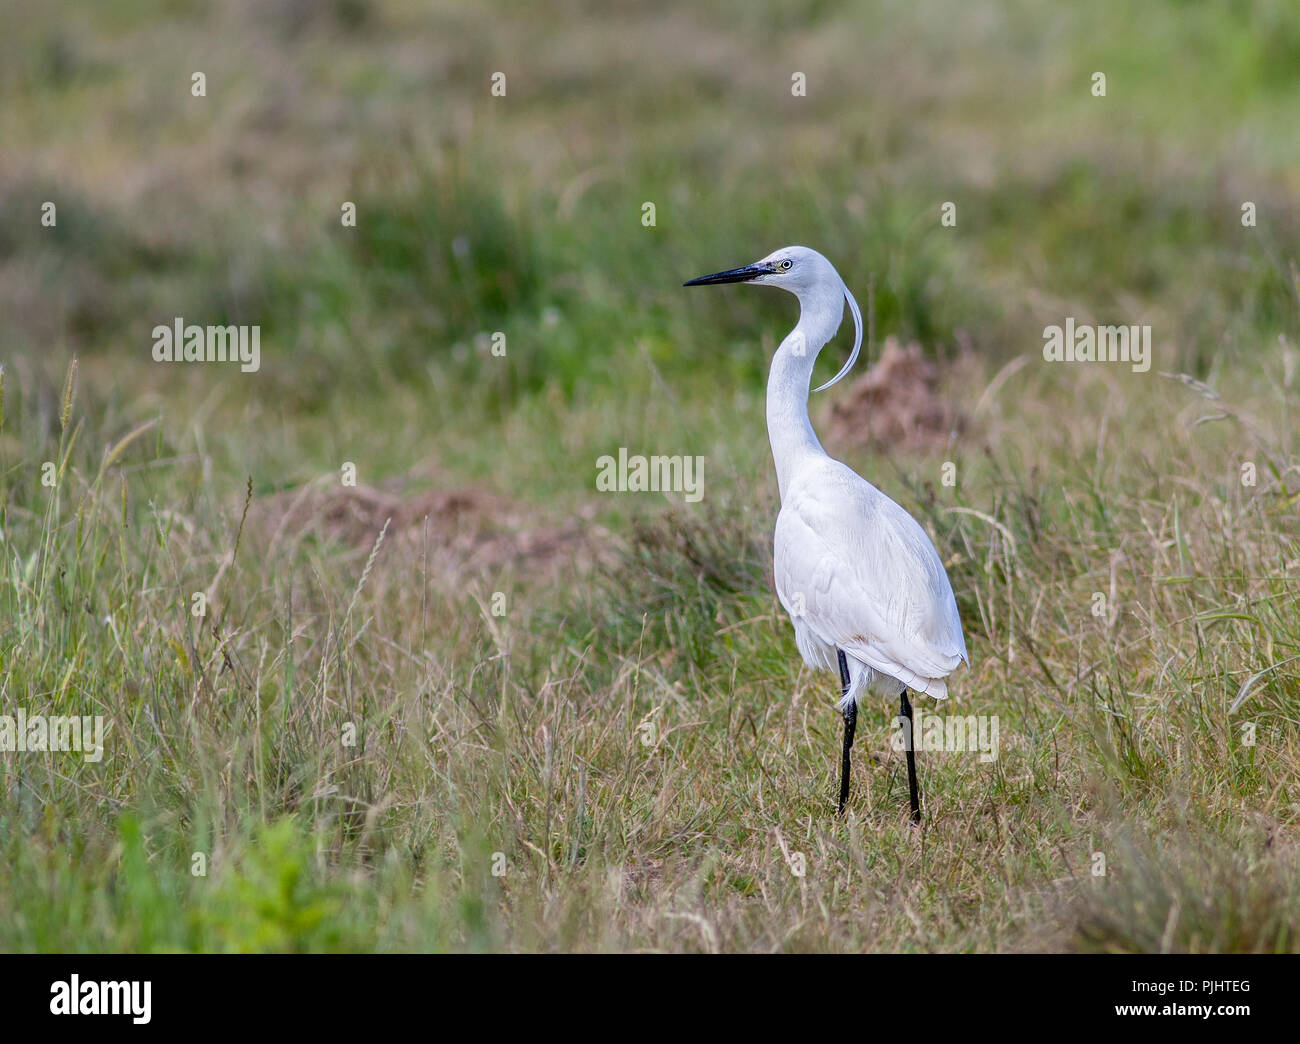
(522, 215)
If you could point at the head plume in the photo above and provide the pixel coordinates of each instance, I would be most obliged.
(857, 339)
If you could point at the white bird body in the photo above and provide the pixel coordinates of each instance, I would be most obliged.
(856, 573)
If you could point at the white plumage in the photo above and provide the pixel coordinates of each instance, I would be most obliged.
(854, 570)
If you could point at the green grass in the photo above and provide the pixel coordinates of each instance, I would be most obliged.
(635, 740)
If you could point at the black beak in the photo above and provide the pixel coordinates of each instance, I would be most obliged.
(735, 275)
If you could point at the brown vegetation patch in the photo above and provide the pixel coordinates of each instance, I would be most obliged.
(896, 404)
(462, 529)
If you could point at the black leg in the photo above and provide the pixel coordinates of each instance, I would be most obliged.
(913, 794)
(850, 726)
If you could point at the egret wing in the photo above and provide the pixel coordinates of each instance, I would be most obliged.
(865, 577)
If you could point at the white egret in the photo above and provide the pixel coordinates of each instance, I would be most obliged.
(859, 577)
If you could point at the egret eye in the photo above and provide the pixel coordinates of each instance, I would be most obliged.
(785, 264)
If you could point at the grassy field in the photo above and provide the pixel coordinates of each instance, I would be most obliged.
(472, 703)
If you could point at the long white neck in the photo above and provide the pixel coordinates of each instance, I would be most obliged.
(788, 427)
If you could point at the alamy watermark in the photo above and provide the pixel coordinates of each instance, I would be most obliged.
(192, 343)
(72, 996)
(1084, 343)
(55, 732)
(636, 473)
(950, 733)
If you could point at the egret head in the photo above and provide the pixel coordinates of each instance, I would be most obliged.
(793, 268)
(807, 275)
